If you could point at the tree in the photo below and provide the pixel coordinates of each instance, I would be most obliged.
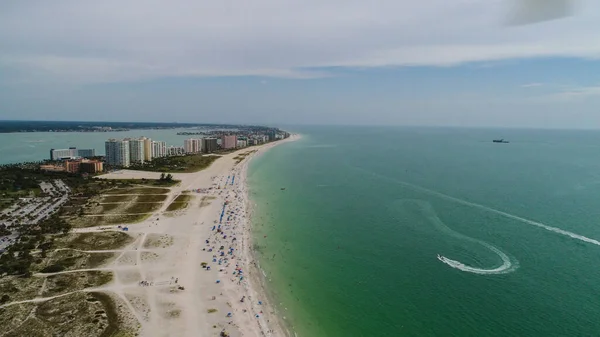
(162, 176)
(169, 177)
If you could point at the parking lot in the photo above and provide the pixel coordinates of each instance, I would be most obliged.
(30, 211)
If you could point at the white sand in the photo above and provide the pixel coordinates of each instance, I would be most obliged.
(173, 247)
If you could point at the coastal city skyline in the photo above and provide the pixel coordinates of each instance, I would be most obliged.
(122, 153)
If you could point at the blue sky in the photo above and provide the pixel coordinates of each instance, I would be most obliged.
(433, 62)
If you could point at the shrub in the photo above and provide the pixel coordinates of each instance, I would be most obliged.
(55, 268)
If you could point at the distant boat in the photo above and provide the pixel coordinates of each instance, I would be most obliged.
(501, 141)
(283, 188)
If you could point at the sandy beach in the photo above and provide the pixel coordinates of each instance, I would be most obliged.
(191, 272)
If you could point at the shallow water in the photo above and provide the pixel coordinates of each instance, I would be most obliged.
(431, 231)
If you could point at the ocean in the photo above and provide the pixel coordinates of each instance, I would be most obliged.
(401, 231)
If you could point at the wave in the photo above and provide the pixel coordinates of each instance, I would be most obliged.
(489, 209)
(506, 266)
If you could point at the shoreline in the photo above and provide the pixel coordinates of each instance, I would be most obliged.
(175, 293)
(258, 279)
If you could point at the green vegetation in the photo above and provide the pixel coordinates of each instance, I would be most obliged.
(242, 156)
(105, 220)
(146, 182)
(20, 288)
(123, 201)
(78, 314)
(180, 202)
(113, 205)
(17, 260)
(142, 207)
(69, 259)
(138, 190)
(13, 317)
(182, 164)
(112, 329)
(166, 177)
(138, 198)
(183, 198)
(175, 206)
(114, 198)
(107, 208)
(18, 183)
(54, 268)
(4, 231)
(129, 207)
(151, 198)
(96, 241)
(68, 282)
(43, 249)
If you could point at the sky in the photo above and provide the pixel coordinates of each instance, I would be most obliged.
(379, 62)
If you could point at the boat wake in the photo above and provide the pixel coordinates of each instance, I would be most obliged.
(507, 265)
(488, 209)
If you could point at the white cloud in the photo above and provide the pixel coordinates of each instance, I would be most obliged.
(104, 41)
(575, 93)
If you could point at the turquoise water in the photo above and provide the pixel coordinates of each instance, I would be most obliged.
(352, 243)
(35, 146)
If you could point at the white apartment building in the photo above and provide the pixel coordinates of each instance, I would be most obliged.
(58, 154)
(192, 145)
(136, 150)
(70, 153)
(117, 152)
(175, 151)
(159, 149)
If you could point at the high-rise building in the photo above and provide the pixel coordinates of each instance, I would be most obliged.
(192, 145)
(136, 150)
(58, 154)
(209, 145)
(86, 153)
(175, 151)
(70, 153)
(241, 143)
(117, 152)
(228, 142)
(159, 149)
(147, 149)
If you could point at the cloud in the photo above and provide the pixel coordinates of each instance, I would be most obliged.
(578, 93)
(111, 41)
